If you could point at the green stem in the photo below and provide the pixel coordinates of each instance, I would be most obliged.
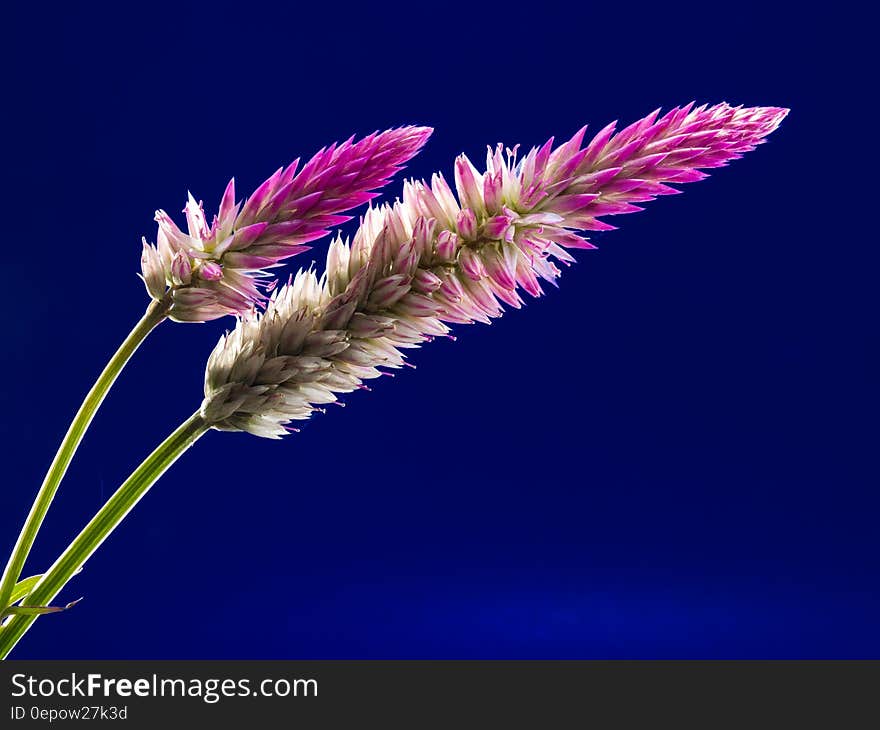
(102, 524)
(156, 313)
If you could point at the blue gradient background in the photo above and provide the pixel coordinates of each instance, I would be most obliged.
(673, 455)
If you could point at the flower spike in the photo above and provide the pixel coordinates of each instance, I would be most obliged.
(437, 258)
(210, 271)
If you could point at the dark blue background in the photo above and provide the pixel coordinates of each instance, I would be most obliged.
(673, 455)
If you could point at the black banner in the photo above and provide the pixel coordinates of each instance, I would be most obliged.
(459, 694)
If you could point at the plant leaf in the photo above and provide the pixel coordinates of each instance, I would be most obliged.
(37, 610)
(23, 587)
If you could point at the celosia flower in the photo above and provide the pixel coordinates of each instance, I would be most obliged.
(412, 269)
(435, 259)
(210, 271)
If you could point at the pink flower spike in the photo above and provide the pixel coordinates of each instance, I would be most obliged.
(637, 163)
(285, 212)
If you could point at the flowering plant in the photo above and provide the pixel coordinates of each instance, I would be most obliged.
(437, 257)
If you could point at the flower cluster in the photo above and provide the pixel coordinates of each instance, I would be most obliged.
(436, 258)
(210, 271)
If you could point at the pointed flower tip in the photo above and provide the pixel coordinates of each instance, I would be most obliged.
(767, 118)
(417, 136)
(778, 113)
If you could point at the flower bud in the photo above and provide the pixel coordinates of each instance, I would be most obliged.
(181, 270)
(210, 271)
(467, 224)
(152, 271)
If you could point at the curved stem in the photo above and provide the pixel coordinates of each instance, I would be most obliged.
(156, 313)
(102, 524)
